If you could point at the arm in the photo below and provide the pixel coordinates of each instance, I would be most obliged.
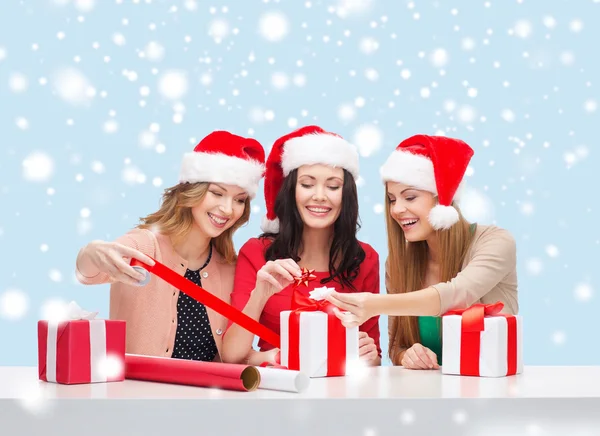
(255, 282)
(237, 342)
(102, 262)
(493, 258)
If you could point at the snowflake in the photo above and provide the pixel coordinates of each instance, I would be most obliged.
(368, 139)
(173, 84)
(273, 26)
(38, 167)
(13, 304)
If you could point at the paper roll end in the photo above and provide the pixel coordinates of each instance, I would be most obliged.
(250, 378)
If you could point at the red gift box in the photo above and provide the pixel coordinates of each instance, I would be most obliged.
(81, 351)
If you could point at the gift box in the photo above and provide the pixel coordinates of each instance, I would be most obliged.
(81, 349)
(314, 341)
(481, 341)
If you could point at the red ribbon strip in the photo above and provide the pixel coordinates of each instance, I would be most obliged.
(210, 300)
(472, 325)
(336, 334)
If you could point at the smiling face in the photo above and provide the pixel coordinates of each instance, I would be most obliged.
(220, 209)
(319, 195)
(410, 208)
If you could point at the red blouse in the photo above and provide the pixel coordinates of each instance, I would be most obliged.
(251, 258)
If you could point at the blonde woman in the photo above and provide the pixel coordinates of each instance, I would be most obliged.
(437, 261)
(192, 234)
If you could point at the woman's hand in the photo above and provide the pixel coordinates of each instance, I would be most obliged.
(113, 259)
(276, 275)
(367, 350)
(419, 357)
(358, 307)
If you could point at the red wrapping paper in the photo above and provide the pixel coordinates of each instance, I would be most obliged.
(192, 372)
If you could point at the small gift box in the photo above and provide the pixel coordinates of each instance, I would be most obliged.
(313, 339)
(481, 341)
(81, 349)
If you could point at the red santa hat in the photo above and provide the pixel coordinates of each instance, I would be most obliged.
(435, 164)
(222, 157)
(308, 145)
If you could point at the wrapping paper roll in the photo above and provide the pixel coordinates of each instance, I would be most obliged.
(282, 380)
(192, 372)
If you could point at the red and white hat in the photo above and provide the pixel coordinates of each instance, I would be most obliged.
(435, 164)
(222, 157)
(308, 145)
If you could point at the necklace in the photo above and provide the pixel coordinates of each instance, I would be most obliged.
(208, 258)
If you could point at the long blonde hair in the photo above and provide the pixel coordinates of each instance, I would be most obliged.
(175, 219)
(407, 266)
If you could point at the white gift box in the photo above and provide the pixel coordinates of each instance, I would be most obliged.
(313, 343)
(493, 353)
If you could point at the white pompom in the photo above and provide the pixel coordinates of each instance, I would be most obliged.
(270, 226)
(443, 217)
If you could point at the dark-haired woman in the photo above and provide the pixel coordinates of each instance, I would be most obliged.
(311, 222)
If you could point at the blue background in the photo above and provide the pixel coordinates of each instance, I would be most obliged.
(532, 122)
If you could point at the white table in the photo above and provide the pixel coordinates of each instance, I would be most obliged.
(378, 401)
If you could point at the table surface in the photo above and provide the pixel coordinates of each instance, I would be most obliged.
(381, 382)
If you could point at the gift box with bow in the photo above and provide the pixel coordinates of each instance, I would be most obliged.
(481, 341)
(313, 339)
(81, 349)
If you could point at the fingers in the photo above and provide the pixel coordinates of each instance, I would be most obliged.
(348, 320)
(370, 355)
(420, 357)
(333, 299)
(425, 355)
(115, 273)
(282, 271)
(132, 253)
(344, 297)
(265, 276)
(408, 363)
(432, 358)
(364, 340)
(128, 270)
(295, 269)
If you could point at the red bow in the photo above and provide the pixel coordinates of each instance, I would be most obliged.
(472, 317)
(302, 303)
(307, 276)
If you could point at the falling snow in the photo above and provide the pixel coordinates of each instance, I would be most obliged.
(97, 119)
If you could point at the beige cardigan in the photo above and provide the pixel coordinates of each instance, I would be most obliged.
(488, 275)
(151, 311)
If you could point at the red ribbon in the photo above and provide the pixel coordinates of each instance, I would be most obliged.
(336, 334)
(210, 300)
(472, 325)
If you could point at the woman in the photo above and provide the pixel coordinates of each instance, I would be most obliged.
(192, 234)
(311, 222)
(437, 261)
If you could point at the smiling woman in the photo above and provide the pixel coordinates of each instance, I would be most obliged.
(437, 261)
(191, 233)
(311, 222)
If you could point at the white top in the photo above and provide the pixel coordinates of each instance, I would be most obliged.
(380, 382)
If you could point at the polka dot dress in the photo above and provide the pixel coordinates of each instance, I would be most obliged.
(193, 339)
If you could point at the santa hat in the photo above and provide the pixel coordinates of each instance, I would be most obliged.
(308, 145)
(431, 163)
(222, 157)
